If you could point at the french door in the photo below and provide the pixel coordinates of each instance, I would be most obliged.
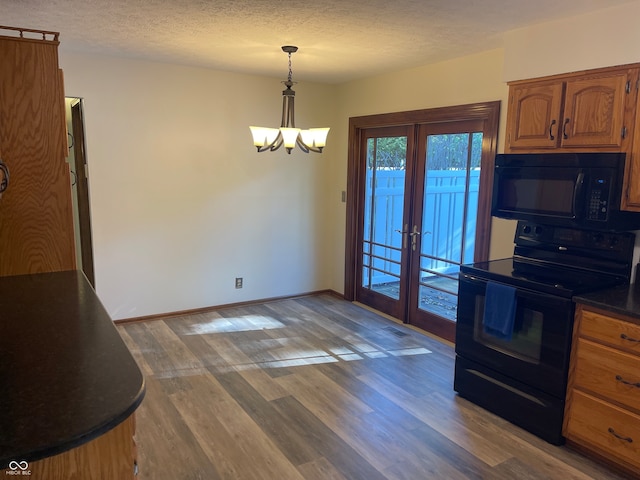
(419, 210)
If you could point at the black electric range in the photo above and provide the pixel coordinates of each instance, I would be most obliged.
(523, 376)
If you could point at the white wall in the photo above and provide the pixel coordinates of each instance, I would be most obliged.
(603, 38)
(181, 203)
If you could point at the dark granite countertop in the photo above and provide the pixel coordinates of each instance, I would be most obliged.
(66, 376)
(623, 299)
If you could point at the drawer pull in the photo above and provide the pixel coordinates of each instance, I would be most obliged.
(629, 339)
(617, 435)
(622, 380)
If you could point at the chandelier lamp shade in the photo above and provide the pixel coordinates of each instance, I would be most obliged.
(270, 139)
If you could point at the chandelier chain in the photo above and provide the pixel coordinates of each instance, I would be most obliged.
(290, 71)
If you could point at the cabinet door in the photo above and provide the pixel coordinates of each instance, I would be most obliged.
(594, 111)
(605, 428)
(109, 456)
(36, 220)
(631, 200)
(534, 115)
(608, 373)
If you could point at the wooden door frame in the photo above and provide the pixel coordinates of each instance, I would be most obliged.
(489, 112)
(394, 307)
(427, 320)
(82, 186)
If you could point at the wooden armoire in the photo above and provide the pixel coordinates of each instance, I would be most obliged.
(36, 216)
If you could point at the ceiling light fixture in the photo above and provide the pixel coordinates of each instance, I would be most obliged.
(311, 140)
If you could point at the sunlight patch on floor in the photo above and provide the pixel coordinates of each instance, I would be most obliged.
(245, 323)
(286, 351)
(409, 351)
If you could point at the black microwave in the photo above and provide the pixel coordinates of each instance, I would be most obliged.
(582, 190)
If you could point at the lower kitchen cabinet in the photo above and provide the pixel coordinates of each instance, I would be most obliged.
(110, 456)
(603, 398)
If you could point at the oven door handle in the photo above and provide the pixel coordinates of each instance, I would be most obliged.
(577, 195)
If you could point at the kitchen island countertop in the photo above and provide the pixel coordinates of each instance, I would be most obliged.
(66, 376)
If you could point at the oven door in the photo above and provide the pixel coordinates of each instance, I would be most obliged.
(537, 355)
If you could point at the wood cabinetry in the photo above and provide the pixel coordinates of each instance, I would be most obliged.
(631, 201)
(36, 219)
(110, 456)
(582, 111)
(603, 398)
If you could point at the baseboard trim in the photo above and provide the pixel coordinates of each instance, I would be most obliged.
(196, 311)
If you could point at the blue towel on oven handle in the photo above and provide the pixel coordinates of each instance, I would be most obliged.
(499, 310)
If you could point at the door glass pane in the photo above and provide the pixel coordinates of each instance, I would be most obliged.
(450, 204)
(383, 214)
(473, 191)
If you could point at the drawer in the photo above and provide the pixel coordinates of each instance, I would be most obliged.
(615, 332)
(611, 430)
(608, 372)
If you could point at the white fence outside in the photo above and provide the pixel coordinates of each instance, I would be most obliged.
(443, 214)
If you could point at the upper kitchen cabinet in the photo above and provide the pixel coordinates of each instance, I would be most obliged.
(631, 199)
(592, 110)
(36, 217)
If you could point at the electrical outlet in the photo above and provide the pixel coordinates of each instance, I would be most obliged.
(238, 282)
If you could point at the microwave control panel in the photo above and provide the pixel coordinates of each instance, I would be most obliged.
(598, 199)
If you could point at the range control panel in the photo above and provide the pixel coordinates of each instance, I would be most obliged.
(567, 239)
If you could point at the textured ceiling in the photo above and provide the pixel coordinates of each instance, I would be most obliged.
(339, 40)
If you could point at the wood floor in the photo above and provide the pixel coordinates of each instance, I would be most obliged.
(319, 388)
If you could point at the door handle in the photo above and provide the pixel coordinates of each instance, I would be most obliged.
(414, 237)
(404, 235)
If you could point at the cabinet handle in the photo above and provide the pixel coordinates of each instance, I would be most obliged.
(551, 137)
(628, 339)
(617, 435)
(564, 128)
(626, 382)
(4, 179)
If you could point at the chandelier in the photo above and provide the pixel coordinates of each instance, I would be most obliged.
(311, 140)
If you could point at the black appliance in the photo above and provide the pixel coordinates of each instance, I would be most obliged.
(581, 190)
(523, 378)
